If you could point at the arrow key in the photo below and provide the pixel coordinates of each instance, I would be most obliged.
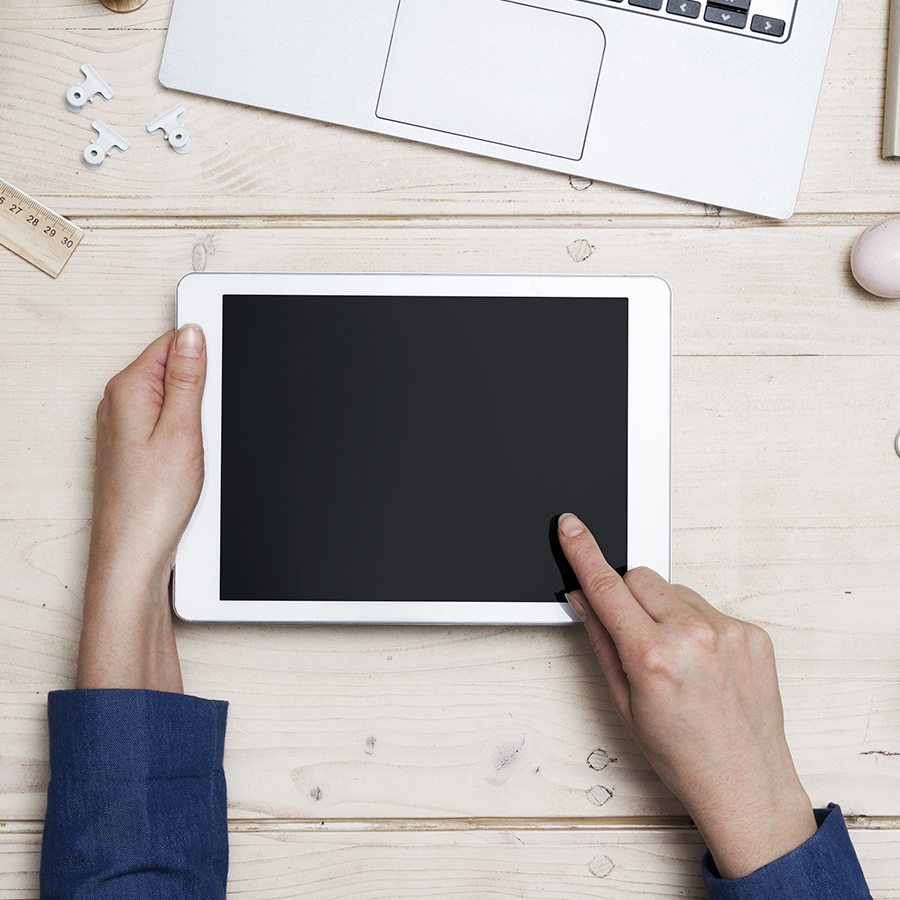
(725, 17)
(690, 9)
(767, 25)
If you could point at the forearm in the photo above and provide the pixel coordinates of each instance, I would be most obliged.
(748, 829)
(127, 636)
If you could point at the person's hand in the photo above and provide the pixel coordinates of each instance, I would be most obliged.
(699, 693)
(149, 472)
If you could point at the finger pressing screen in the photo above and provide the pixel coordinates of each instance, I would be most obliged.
(615, 606)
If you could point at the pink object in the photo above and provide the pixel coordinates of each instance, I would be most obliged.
(875, 259)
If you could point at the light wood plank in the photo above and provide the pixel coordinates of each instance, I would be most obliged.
(607, 864)
(735, 290)
(312, 169)
(810, 438)
(59, 346)
(420, 721)
(783, 516)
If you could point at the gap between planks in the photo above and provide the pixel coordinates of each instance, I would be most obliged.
(638, 824)
(106, 221)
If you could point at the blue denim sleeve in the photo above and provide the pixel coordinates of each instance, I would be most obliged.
(136, 804)
(824, 868)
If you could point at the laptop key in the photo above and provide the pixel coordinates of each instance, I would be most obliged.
(646, 4)
(690, 9)
(767, 25)
(739, 5)
(728, 17)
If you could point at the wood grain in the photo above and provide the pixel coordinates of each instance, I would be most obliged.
(606, 864)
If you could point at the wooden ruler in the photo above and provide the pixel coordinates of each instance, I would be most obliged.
(36, 233)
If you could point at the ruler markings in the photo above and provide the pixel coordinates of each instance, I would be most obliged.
(40, 236)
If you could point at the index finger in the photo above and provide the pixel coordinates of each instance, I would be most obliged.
(616, 607)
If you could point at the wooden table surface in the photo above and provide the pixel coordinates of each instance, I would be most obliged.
(412, 762)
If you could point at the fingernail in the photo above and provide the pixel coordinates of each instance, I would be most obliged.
(576, 604)
(570, 525)
(189, 341)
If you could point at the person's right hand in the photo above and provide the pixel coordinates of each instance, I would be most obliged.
(698, 691)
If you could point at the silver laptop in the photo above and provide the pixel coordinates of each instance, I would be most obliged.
(711, 100)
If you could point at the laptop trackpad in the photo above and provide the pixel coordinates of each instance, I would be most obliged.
(494, 70)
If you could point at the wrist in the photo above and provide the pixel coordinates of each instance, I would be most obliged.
(127, 636)
(129, 570)
(119, 554)
(751, 834)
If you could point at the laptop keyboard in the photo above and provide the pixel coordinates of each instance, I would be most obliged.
(767, 20)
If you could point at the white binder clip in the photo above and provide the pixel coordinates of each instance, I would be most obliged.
(78, 95)
(178, 138)
(95, 153)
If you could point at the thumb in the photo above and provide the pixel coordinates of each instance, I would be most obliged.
(185, 379)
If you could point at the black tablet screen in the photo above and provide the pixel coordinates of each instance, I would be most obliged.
(416, 448)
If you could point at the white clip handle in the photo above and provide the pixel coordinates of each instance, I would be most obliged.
(177, 136)
(95, 153)
(78, 95)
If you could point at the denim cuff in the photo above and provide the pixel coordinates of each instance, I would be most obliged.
(134, 735)
(824, 868)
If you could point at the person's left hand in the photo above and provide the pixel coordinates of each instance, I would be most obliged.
(149, 472)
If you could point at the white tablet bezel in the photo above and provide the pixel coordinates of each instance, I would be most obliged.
(196, 585)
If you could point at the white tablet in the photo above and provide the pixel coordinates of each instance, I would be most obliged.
(396, 448)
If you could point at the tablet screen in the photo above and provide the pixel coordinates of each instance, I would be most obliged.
(417, 448)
